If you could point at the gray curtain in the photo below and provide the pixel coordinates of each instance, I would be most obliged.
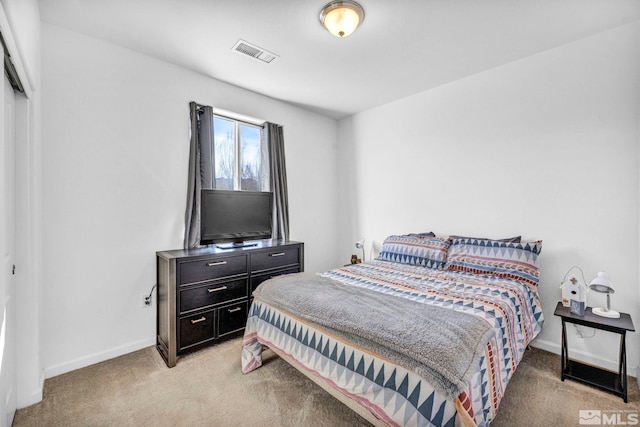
(200, 169)
(278, 169)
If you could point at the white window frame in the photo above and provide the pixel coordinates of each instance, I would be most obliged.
(264, 163)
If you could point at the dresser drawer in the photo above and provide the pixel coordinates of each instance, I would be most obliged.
(277, 257)
(196, 329)
(256, 280)
(212, 268)
(213, 293)
(232, 318)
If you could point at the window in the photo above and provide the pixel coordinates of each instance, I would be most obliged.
(241, 158)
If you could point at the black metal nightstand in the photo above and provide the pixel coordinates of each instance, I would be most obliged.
(604, 379)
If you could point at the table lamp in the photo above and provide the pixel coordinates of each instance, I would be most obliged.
(360, 245)
(603, 284)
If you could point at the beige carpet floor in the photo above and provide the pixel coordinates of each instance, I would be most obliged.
(207, 388)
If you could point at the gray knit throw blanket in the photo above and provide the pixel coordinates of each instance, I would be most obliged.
(439, 344)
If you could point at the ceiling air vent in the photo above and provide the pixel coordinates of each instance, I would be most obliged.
(254, 51)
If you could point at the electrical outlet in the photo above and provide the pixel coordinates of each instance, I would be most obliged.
(578, 331)
(145, 301)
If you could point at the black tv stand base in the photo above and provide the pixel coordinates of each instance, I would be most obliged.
(237, 245)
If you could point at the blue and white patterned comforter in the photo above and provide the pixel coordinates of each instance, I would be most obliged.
(389, 391)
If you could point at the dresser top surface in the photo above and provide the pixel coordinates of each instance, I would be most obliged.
(214, 250)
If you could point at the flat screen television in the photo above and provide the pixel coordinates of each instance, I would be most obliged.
(235, 217)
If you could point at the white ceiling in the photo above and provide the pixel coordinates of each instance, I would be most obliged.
(402, 47)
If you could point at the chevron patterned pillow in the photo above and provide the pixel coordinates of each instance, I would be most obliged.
(415, 249)
(512, 260)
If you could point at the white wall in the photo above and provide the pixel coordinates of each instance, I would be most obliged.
(116, 145)
(545, 147)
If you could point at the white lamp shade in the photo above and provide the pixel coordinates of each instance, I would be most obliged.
(602, 283)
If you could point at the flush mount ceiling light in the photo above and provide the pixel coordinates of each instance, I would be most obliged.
(341, 18)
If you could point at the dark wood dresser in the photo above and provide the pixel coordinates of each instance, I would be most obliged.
(204, 293)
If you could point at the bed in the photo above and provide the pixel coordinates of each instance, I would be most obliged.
(427, 334)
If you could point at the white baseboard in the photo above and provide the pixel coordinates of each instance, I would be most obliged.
(33, 397)
(96, 358)
(549, 346)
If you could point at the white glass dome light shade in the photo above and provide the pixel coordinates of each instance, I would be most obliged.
(341, 18)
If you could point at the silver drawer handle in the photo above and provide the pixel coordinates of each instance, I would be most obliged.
(212, 264)
(233, 310)
(277, 254)
(202, 319)
(221, 288)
